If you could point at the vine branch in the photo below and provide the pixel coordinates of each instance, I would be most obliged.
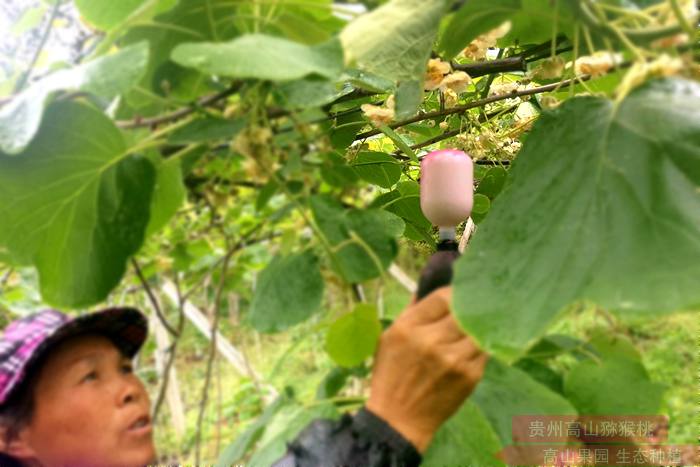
(212, 350)
(183, 112)
(173, 352)
(477, 103)
(152, 298)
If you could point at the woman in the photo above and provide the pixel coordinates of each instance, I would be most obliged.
(69, 397)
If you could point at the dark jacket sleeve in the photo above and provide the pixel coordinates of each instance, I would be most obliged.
(353, 441)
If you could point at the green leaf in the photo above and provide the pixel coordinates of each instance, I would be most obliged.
(399, 141)
(409, 96)
(105, 14)
(394, 40)
(265, 194)
(336, 379)
(556, 344)
(475, 17)
(378, 168)
(369, 81)
(259, 56)
(345, 129)
(493, 182)
(306, 93)
(207, 129)
(505, 392)
(481, 204)
(541, 373)
(533, 23)
(336, 172)
(284, 428)
(168, 194)
(237, 450)
(363, 241)
(105, 77)
(288, 291)
(404, 201)
(613, 345)
(602, 205)
(74, 206)
(466, 439)
(619, 386)
(353, 338)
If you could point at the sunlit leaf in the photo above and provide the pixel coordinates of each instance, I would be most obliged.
(261, 57)
(352, 338)
(288, 291)
(105, 77)
(74, 206)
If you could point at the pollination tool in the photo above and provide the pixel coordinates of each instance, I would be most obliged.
(446, 199)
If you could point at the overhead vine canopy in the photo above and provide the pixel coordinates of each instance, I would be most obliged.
(302, 124)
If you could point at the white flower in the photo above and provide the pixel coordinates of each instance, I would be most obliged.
(501, 89)
(437, 69)
(456, 81)
(378, 115)
(550, 68)
(451, 97)
(549, 102)
(597, 64)
(476, 50)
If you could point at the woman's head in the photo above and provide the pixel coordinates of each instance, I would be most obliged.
(78, 401)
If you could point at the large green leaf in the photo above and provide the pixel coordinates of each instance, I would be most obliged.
(106, 77)
(466, 439)
(363, 241)
(353, 337)
(378, 168)
(289, 290)
(395, 39)
(505, 392)
(74, 206)
(261, 57)
(475, 17)
(602, 204)
(603, 388)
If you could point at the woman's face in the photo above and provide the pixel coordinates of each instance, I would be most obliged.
(90, 409)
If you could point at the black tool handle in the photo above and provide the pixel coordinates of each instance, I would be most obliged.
(438, 271)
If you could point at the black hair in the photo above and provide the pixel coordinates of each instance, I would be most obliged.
(17, 411)
(15, 414)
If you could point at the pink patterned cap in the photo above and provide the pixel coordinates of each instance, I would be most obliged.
(25, 339)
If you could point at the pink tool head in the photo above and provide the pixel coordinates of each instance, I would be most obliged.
(446, 187)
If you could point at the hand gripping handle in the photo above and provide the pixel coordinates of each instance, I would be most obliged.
(438, 271)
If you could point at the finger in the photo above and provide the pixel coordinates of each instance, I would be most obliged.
(444, 331)
(476, 366)
(479, 363)
(464, 347)
(430, 309)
